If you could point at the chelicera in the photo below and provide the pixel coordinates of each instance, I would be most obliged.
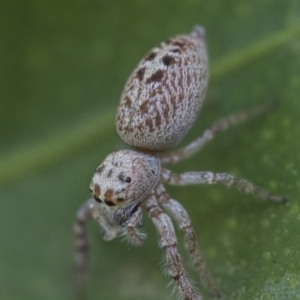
(158, 106)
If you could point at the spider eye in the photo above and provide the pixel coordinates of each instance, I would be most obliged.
(128, 179)
(98, 199)
(120, 199)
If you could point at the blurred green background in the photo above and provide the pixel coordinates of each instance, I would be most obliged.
(63, 67)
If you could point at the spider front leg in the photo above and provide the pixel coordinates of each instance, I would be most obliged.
(89, 210)
(135, 237)
(183, 220)
(168, 241)
(227, 179)
(220, 125)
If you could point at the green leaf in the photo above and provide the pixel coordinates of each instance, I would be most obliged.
(63, 68)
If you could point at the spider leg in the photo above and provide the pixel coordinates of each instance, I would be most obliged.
(168, 241)
(89, 210)
(134, 236)
(223, 178)
(81, 258)
(183, 220)
(220, 125)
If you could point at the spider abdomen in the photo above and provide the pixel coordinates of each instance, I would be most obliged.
(163, 95)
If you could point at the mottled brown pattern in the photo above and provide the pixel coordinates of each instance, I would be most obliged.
(139, 92)
(172, 88)
(97, 190)
(109, 173)
(108, 195)
(166, 113)
(149, 123)
(150, 56)
(176, 50)
(120, 122)
(180, 82)
(127, 102)
(168, 60)
(158, 119)
(156, 77)
(100, 169)
(179, 44)
(188, 79)
(128, 128)
(188, 44)
(121, 176)
(140, 127)
(144, 107)
(140, 73)
(173, 84)
(174, 104)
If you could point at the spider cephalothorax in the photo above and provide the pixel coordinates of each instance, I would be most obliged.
(158, 106)
(123, 180)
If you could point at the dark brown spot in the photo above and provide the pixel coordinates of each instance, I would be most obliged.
(149, 123)
(121, 176)
(108, 195)
(176, 50)
(165, 108)
(120, 118)
(166, 113)
(144, 107)
(168, 60)
(159, 90)
(188, 80)
(128, 129)
(109, 173)
(128, 179)
(151, 56)
(156, 77)
(97, 191)
(140, 127)
(158, 119)
(127, 102)
(100, 169)
(174, 104)
(140, 74)
(180, 83)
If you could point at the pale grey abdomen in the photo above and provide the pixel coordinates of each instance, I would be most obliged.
(163, 95)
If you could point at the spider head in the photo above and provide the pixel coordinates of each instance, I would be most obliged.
(125, 177)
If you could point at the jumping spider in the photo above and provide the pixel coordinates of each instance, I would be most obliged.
(159, 104)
